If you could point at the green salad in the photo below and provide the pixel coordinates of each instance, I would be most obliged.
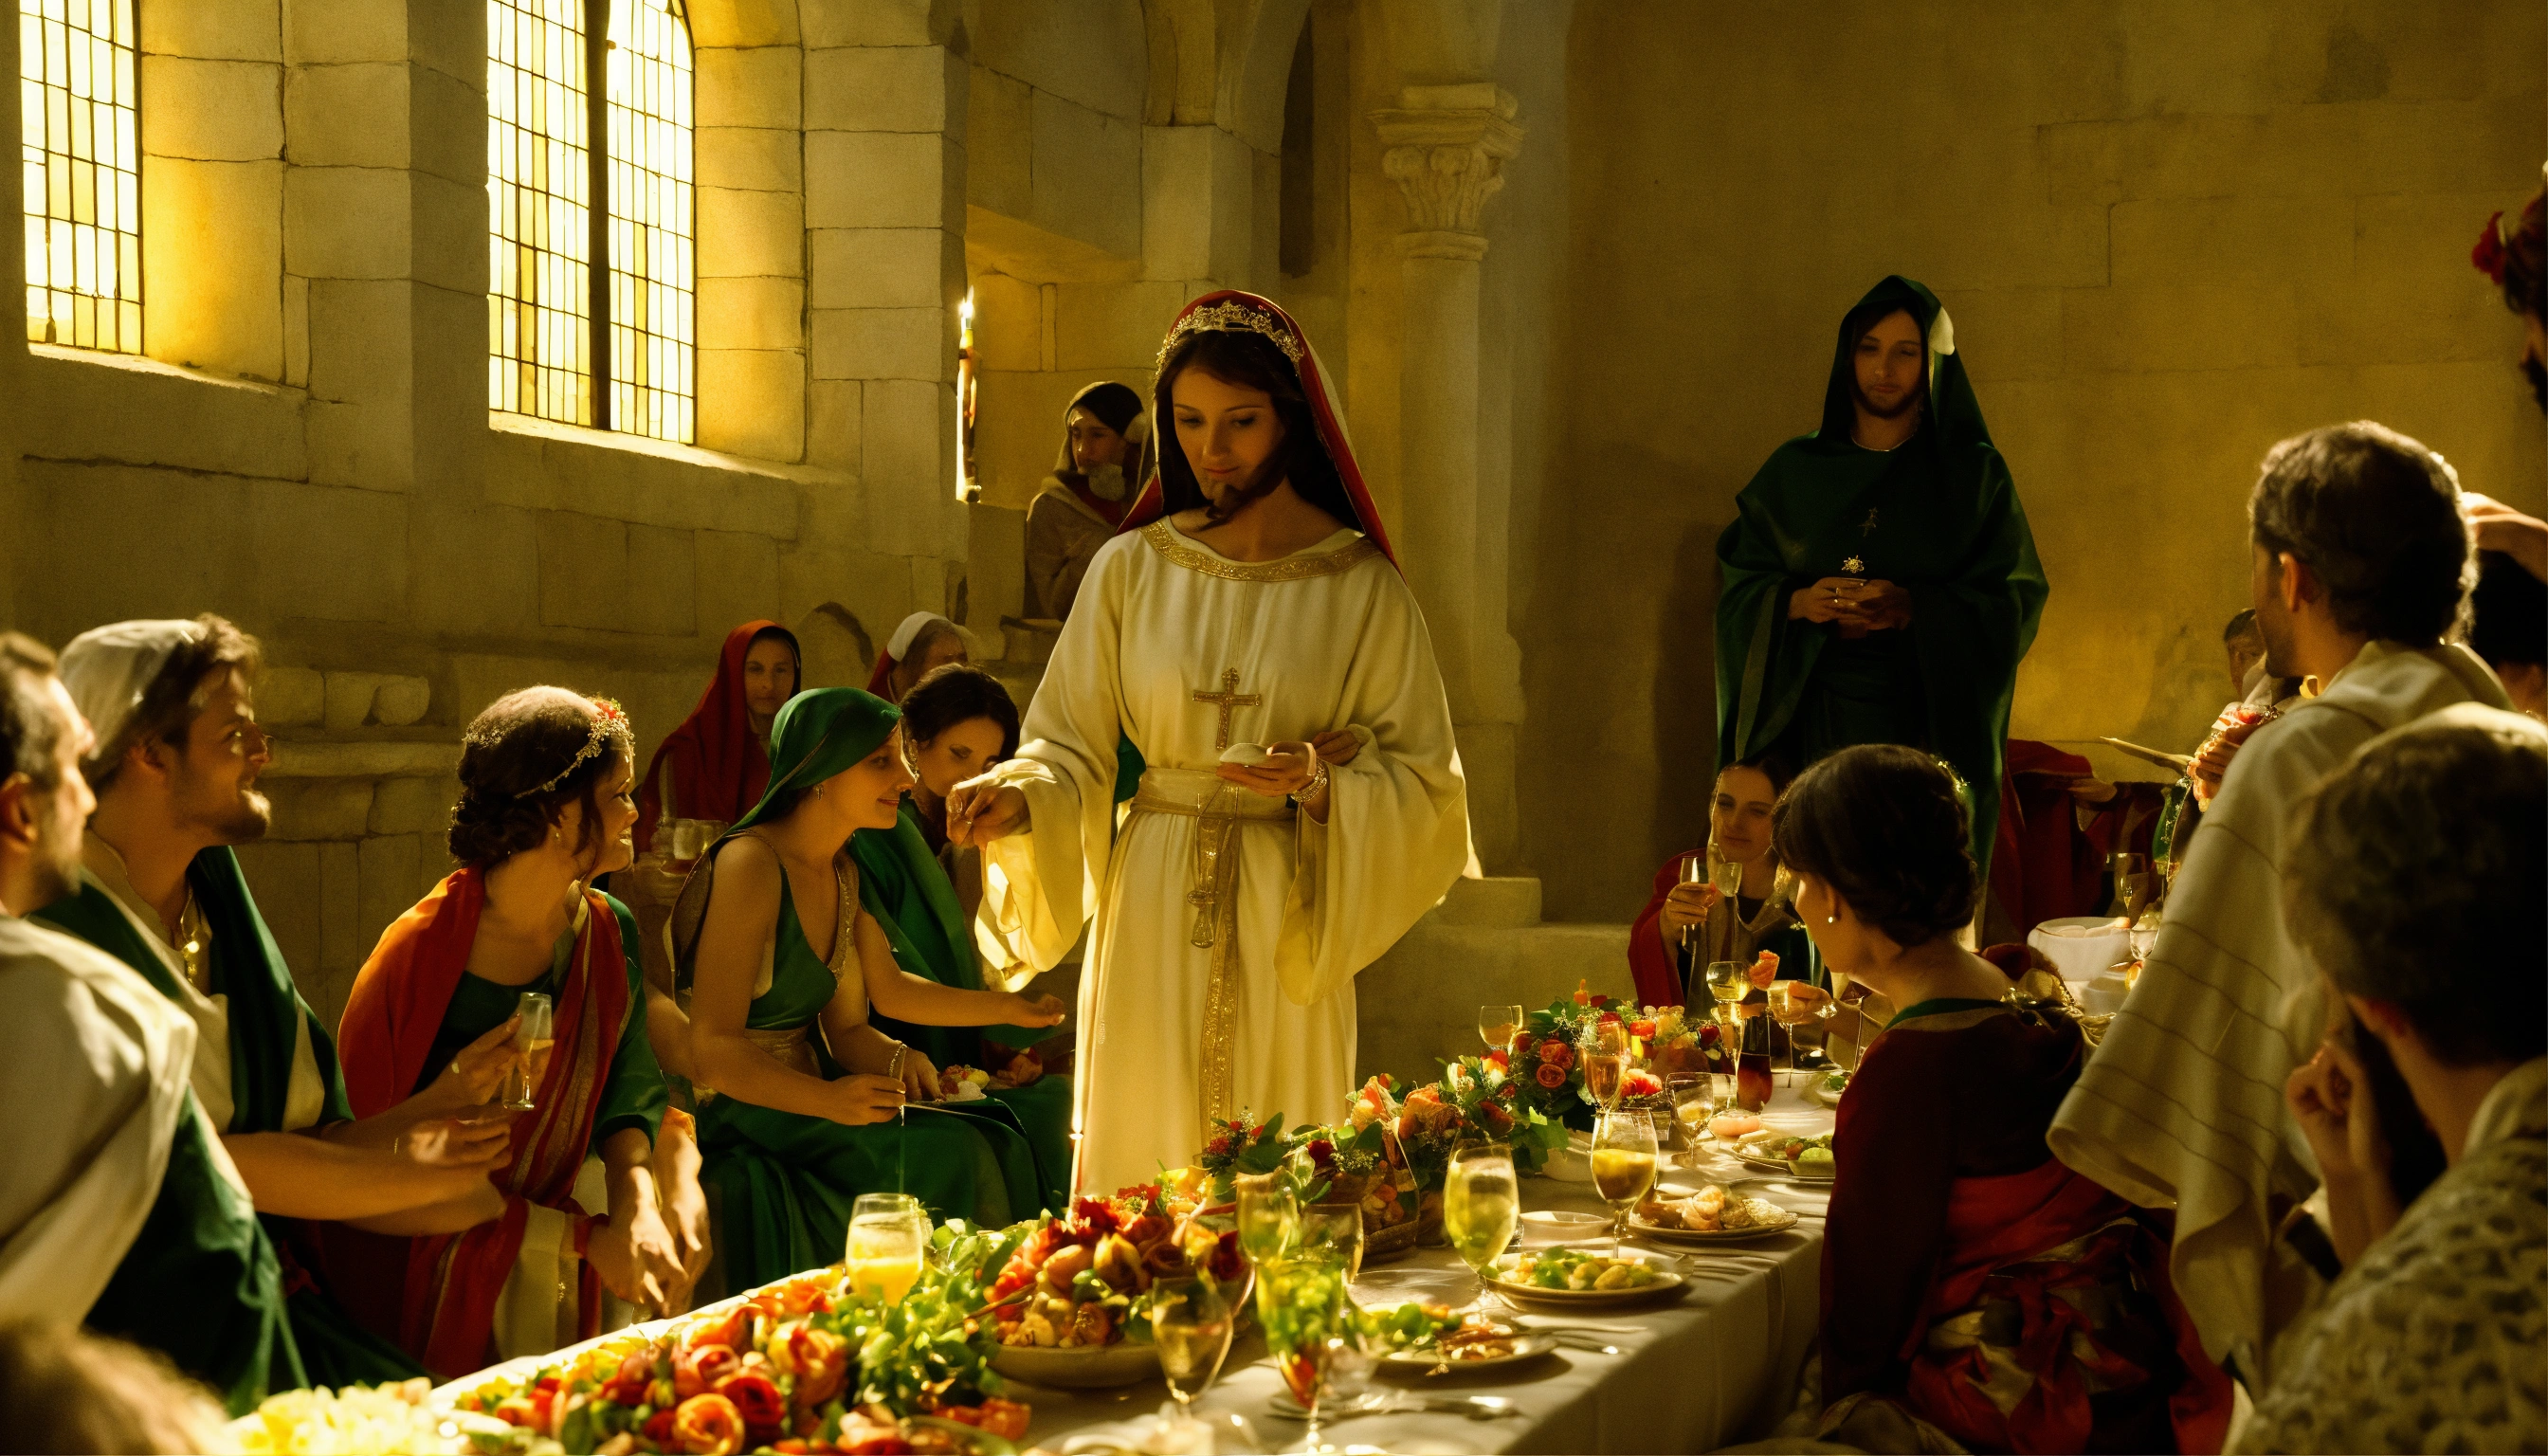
(1566, 1268)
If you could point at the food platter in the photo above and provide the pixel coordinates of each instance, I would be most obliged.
(1785, 1221)
(1664, 1282)
(1524, 1346)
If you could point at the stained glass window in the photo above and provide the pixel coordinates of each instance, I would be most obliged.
(82, 155)
(613, 349)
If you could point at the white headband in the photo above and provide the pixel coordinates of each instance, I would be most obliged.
(108, 668)
(900, 642)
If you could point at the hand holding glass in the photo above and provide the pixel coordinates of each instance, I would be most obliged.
(533, 1036)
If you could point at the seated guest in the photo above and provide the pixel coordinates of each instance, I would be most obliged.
(956, 725)
(1083, 501)
(2510, 629)
(545, 806)
(1970, 1283)
(782, 964)
(118, 1202)
(2360, 569)
(924, 643)
(175, 772)
(2413, 880)
(1688, 925)
(2245, 647)
(716, 763)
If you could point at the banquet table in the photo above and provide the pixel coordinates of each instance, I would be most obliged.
(1711, 1366)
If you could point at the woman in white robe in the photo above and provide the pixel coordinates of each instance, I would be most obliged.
(1252, 600)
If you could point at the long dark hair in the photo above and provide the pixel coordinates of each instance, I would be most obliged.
(1247, 361)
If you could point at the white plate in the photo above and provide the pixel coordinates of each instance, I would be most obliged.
(1526, 1346)
(1082, 1368)
(968, 1093)
(1786, 1219)
(1546, 1226)
(1666, 1281)
(1246, 754)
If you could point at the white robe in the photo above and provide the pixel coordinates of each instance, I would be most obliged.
(94, 1062)
(1326, 638)
(2182, 1104)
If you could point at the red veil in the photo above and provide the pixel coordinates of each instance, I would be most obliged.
(715, 758)
(446, 1317)
(1225, 310)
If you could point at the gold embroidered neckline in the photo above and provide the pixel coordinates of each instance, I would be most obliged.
(1164, 539)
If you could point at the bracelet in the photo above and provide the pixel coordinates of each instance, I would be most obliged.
(894, 1069)
(1317, 781)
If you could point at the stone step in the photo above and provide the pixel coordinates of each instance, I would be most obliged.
(1499, 901)
(1418, 1003)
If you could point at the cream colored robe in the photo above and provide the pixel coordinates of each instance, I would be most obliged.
(95, 1061)
(2182, 1104)
(1173, 1032)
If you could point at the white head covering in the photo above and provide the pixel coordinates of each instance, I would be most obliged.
(899, 645)
(108, 668)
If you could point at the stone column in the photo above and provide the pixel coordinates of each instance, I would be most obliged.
(1446, 149)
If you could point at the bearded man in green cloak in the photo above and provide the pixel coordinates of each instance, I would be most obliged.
(1879, 583)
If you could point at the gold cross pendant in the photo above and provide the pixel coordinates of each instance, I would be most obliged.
(1228, 699)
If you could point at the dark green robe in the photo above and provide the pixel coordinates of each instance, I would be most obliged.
(326, 1346)
(906, 889)
(1939, 516)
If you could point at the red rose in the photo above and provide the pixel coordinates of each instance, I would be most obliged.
(1523, 1043)
(1507, 1090)
(659, 1430)
(1498, 1058)
(1551, 1077)
(1095, 1215)
(697, 1369)
(1217, 1148)
(1557, 1054)
(1643, 1031)
(1708, 1034)
(755, 1398)
(1323, 1152)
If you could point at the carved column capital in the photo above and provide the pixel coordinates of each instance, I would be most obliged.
(1446, 150)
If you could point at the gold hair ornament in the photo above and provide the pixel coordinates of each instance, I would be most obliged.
(1230, 317)
(609, 725)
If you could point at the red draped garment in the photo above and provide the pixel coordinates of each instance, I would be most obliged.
(717, 765)
(450, 1282)
(1980, 1284)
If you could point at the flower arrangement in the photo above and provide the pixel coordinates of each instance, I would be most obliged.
(1550, 1046)
(1677, 1046)
(1086, 1280)
(1241, 1148)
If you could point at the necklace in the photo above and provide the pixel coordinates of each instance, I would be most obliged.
(194, 944)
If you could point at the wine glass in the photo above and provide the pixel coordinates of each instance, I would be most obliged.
(1334, 1230)
(1728, 985)
(1623, 1163)
(1269, 1215)
(1694, 871)
(1193, 1324)
(534, 1038)
(1727, 877)
(1693, 1103)
(1481, 1207)
(1300, 1303)
(888, 1237)
(1497, 1025)
(1606, 1062)
(1792, 1005)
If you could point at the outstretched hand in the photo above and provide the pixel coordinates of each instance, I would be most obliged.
(1037, 1011)
(980, 810)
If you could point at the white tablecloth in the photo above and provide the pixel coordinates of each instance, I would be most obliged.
(1714, 1366)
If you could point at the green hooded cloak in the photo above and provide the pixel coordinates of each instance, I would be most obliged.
(785, 1181)
(1939, 516)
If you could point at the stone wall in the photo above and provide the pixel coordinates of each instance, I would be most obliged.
(2168, 234)
(306, 448)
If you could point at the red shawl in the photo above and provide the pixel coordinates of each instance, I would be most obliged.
(716, 762)
(1151, 502)
(451, 1281)
(1649, 960)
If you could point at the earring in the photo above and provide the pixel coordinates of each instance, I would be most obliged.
(818, 789)
(1832, 919)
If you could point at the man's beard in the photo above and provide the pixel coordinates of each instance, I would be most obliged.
(241, 819)
(2276, 632)
(1908, 403)
(56, 864)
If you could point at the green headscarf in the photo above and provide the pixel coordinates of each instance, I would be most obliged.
(818, 735)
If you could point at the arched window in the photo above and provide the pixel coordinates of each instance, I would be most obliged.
(613, 347)
(81, 153)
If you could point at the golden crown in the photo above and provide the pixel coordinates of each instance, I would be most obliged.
(1230, 317)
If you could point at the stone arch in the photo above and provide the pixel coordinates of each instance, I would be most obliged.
(839, 653)
(1256, 72)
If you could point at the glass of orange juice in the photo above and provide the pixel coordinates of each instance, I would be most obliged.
(889, 1239)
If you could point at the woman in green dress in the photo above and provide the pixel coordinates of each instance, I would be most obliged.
(956, 723)
(781, 964)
